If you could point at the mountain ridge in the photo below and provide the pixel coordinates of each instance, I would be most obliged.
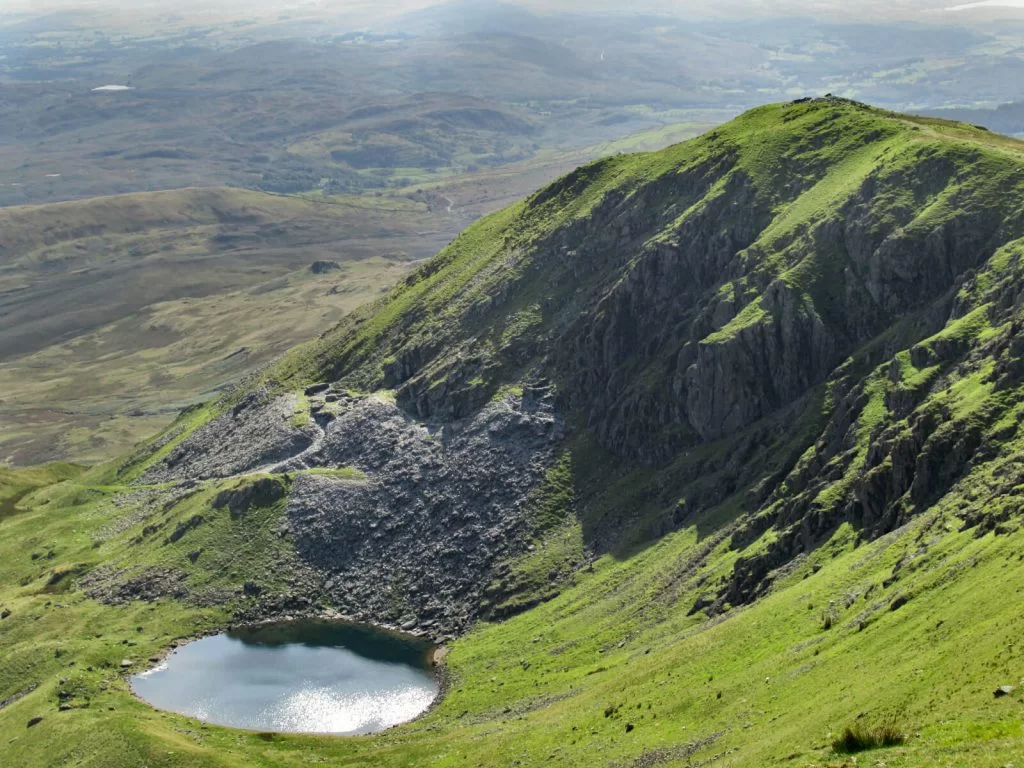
(711, 290)
(702, 454)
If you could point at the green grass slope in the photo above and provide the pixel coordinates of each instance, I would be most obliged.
(790, 351)
(922, 625)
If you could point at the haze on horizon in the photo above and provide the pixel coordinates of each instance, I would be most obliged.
(370, 11)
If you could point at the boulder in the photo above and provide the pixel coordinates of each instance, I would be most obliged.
(324, 267)
(260, 493)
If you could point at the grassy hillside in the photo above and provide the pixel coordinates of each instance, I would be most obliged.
(772, 684)
(788, 355)
(16, 484)
(120, 311)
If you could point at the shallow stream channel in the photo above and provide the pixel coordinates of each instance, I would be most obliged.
(297, 677)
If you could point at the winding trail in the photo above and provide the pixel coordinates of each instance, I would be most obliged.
(297, 462)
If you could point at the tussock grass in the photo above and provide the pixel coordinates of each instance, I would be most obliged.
(859, 737)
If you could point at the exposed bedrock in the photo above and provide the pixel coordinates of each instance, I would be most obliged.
(397, 521)
(416, 538)
(259, 431)
(698, 338)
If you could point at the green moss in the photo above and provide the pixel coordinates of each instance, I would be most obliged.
(974, 326)
(971, 392)
(385, 396)
(508, 390)
(302, 417)
(912, 378)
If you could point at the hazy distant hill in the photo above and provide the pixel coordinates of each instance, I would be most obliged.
(254, 104)
(1006, 118)
(119, 311)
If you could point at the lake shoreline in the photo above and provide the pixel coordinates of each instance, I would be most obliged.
(432, 663)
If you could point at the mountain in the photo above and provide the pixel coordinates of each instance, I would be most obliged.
(1006, 118)
(695, 457)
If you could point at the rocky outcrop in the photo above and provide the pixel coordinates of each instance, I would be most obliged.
(757, 368)
(258, 493)
(393, 519)
(413, 538)
(259, 431)
(324, 267)
(112, 586)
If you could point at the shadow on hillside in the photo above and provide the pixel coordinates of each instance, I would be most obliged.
(625, 508)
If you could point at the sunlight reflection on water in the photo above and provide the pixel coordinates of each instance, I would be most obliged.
(323, 710)
(334, 682)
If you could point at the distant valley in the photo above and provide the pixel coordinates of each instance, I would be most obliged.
(120, 311)
(306, 104)
(348, 144)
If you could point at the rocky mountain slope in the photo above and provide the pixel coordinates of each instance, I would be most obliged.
(726, 437)
(805, 317)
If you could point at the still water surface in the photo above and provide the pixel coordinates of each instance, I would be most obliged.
(299, 677)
